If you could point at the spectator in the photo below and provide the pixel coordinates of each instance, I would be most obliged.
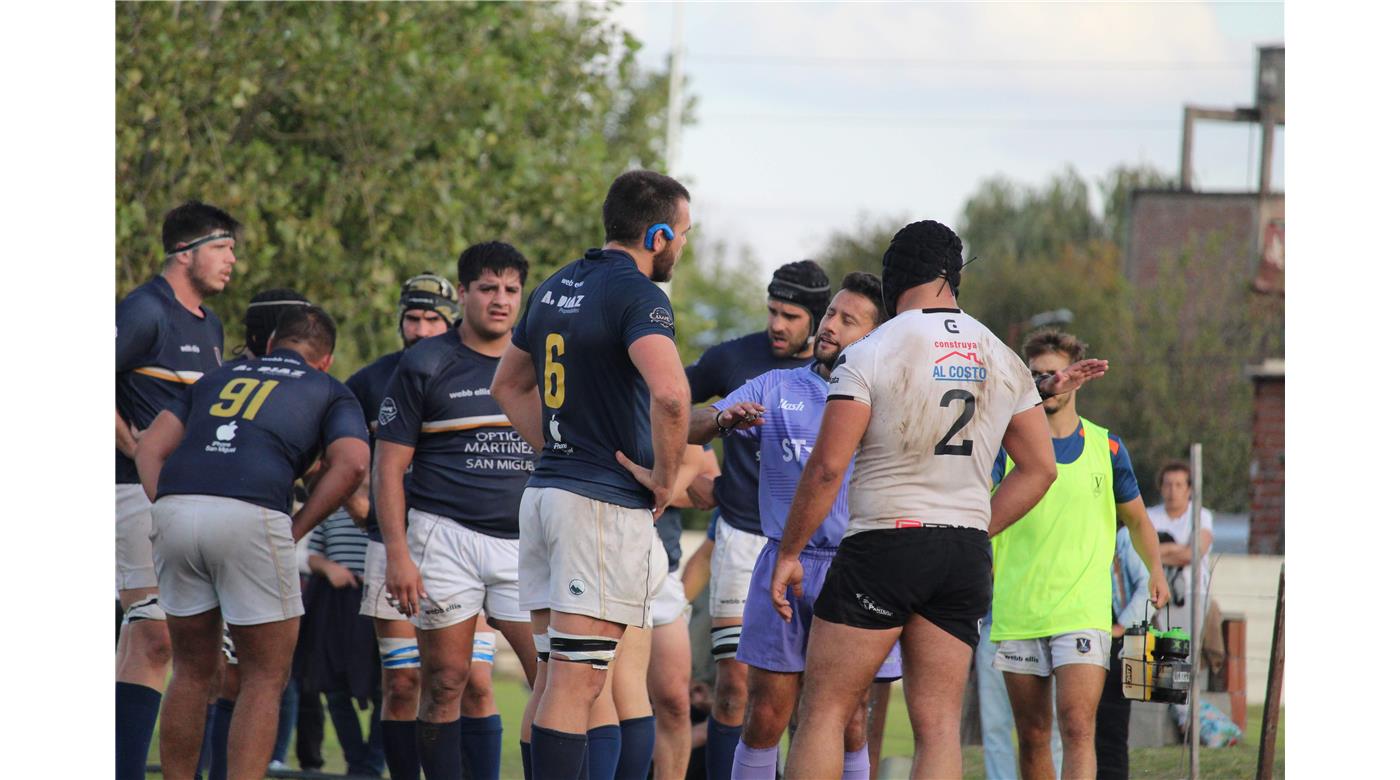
(1172, 519)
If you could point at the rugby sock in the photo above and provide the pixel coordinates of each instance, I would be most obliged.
(439, 749)
(206, 748)
(481, 746)
(557, 755)
(638, 742)
(755, 763)
(604, 749)
(720, 743)
(525, 761)
(218, 754)
(400, 749)
(856, 765)
(137, 709)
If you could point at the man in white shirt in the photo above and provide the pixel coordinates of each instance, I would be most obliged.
(1172, 519)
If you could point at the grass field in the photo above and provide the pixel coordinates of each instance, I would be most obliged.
(1148, 763)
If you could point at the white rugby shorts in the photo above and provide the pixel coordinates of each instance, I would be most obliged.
(1040, 656)
(212, 551)
(374, 601)
(463, 571)
(588, 557)
(670, 604)
(136, 567)
(731, 568)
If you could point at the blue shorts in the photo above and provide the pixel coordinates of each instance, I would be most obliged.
(770, 643)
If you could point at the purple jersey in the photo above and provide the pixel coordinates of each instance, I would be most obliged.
(794, 399)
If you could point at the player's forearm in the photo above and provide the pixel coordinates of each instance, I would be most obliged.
(816, 491)
(390, 507)
(700, 494)
(1018, 493)
(522, 408)
(1174, 554)
(704, 425)
(148, 467)
(668, 434)
(335, 484)
(1144, 538)
(126, 440)
(357, 505)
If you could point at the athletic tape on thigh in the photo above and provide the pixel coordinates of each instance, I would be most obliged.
(228, 647)
(582, 649)
(724, 642)
(145, 609)
(484, 647)
(541, 647)
(398, 652)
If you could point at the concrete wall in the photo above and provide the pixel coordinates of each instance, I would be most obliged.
(1247, 585)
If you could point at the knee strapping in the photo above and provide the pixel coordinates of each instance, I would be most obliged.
(724, 642)
(541, 647)
(229, 652)
(145, 609)
(399, 652)
(484, 647)
(582, 649)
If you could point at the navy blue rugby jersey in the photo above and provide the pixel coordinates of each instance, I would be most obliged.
(162, 348)
(253, 427)
(577, 327)
(369, 385)
(469, 463)
(721, 370)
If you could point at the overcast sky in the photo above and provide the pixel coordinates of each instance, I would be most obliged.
(812, 115)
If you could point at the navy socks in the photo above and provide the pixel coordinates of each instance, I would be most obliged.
(557, 755)
(137, 710)
(720, 744)
(481, 747)
(604, 748)
(400, 749)
(638, 742)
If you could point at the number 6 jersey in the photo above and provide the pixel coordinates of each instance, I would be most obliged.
(577, 327)
(941, 390)
(253, 427)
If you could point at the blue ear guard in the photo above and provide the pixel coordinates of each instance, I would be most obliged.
(662, 228)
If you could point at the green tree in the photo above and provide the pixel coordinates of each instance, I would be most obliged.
(363, 143)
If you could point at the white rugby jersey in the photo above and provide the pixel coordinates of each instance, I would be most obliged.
(941, 390)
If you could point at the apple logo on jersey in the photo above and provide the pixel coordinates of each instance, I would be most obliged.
(226, 432)
(222, 436)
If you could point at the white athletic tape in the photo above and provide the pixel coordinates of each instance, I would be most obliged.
(724, 642)
(581, 648)
(484, 647)
(145, 609)
(397, 652)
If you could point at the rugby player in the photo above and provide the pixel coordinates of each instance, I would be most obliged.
(927, 398)
(457, 558)
(166, 340)
(1053, 592)
(593, 371)
(797, 298)
(788, 405)
(219, 464)
(427, 307)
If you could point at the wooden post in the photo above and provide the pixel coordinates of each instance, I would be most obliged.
(1266, 164)
(1268, 734)
(1197, 613)
(1235, 668)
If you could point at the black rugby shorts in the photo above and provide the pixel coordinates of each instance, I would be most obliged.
(879, 578)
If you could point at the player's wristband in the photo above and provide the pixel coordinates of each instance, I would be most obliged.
(723, 431)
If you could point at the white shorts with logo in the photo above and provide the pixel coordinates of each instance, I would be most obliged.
(465, 572)
(588, 557)
(374, 601)
(1040, 656)
(731, 568)
(212, 551)
(136, 567)
(670, 604)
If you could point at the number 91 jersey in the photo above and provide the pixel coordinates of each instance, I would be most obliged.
(941, 390)
(253, 427)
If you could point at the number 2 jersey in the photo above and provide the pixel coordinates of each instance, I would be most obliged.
(577, 327)
(469, 463)
(253, 427)
(941, 390)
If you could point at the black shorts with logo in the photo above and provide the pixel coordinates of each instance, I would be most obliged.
(880, 577)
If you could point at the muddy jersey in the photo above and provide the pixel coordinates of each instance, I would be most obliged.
(162, 349)
(469, 463)
(577, 327)
(252, 428)
(942, 390)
